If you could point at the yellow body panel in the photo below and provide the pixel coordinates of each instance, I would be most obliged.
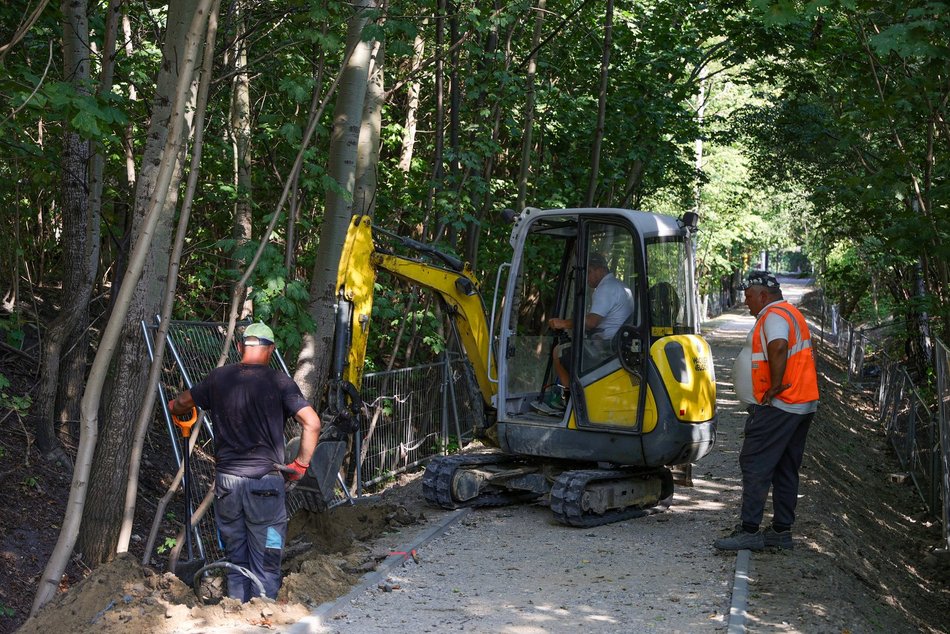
(613, 400)
(694, 398)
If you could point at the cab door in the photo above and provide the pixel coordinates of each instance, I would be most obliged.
(609, 319)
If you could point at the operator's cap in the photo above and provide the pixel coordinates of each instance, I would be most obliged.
(598, 260)
(261, 332)
(759, 278)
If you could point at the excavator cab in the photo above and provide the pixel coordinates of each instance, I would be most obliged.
(640, 378)
(641, 388)
(640, 383)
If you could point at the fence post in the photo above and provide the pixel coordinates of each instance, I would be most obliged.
(942, 357)
(357, 452)
(446, 380)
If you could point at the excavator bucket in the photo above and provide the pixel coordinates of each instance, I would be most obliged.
(317, 488)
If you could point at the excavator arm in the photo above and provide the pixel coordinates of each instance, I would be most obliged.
(359, 263)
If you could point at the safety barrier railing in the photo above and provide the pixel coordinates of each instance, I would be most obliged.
(918, 429)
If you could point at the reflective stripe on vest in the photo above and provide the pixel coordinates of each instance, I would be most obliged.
(800, 370)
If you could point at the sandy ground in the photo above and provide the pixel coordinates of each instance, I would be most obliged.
(862, 561)
(514, 570)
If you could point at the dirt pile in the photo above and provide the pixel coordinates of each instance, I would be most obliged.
(326, 555)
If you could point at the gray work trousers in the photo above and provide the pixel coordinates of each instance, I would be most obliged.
(252, 518)
(771, 456)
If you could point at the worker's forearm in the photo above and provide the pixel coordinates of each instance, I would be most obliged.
(309, 435)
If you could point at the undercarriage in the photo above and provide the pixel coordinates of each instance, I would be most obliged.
(579, 494)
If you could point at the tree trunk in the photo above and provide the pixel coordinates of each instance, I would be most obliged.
(241, 141)
(314, 359)
(77, 277)
(412, 106)
(73, 372)
(155, 370)
(701, 100)
(155, 200)
(601, 106)
(439, 126)
(529, 109)
(367, 152)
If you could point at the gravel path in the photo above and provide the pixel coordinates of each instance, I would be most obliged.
(514, 570)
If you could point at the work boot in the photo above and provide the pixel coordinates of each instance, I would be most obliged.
(556, 399)
(778, 539)
(739, 539)
(542, 407)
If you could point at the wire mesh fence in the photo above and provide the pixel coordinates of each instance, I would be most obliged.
(413, 414)
(916, 426)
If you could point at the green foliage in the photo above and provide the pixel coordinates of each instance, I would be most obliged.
(11, 330)
(277, 301)
(166, 545)
(7, 611)
(847, 126)
(17, 403)
(799, 143)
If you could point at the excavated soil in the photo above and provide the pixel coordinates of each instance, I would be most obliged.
(326, 555)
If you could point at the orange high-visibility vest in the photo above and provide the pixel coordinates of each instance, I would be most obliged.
(800, 370)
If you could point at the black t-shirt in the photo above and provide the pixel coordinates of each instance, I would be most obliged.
(249, 405)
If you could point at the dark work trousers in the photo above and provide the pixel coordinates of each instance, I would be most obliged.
(771, 456)
(252, 518)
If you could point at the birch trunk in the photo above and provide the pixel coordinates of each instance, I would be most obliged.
(314, 359)
(367, 152)
(412, 107)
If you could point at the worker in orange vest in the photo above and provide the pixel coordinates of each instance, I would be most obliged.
(774, 376)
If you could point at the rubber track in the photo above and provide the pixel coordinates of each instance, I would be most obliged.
(437, 482)
(568, 492)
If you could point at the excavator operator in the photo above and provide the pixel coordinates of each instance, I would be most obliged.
(610, 307)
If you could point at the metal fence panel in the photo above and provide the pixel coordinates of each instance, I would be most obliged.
(943, 419)
(413, 414)
(921, 438)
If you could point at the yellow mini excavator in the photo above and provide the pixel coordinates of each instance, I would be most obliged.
(640, 399)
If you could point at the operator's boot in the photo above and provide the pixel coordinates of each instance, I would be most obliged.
(553, 402)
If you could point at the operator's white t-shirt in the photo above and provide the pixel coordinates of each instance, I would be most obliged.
(614, 303)
(776, 327)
